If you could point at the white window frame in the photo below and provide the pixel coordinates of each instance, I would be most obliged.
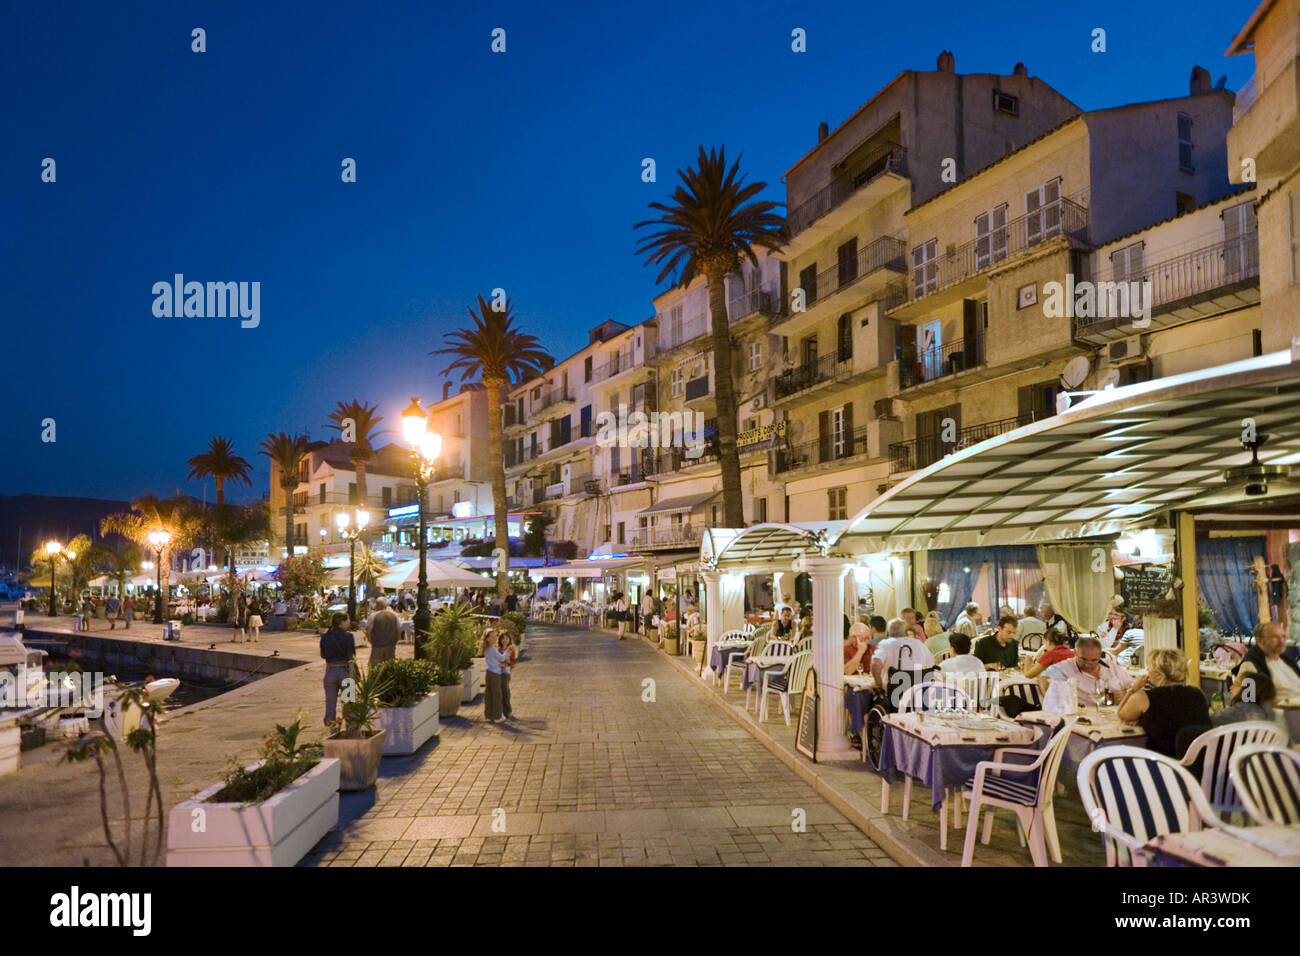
(677, 383)
(1126, 264)
(991, 236)
(1043, 212)
(837, 433)
(837, 503)
(925, 268)
(756, 355)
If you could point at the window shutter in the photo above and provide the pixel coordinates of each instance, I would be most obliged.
(848, 429)
(824, 436)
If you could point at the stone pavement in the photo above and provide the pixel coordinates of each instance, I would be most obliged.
(593, 774)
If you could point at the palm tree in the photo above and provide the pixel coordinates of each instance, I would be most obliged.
(287, 452)
(708, 229)
(221, 464)
(177, 516)
(238, 526)
(120, 562)
(498, 354)
(364, 420)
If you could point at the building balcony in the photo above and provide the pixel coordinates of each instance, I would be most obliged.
(941, 361)
(617, 368)
(1203, 283)
(866, 275)
(753, 302)
(818, 452)
(961, 272)
(698, 389)
(925, 450)
(552, 402)
(846, 196)
(1266, 126)
(685, 535)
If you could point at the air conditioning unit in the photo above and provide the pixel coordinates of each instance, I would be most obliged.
(760, 401)
(885, 408)
(1125, 350)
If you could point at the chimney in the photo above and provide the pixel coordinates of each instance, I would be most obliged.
(946, 63)
(1019, 70)
(1200, 82)
(823, 130)
(446, 390)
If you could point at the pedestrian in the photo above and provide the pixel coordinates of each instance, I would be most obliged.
(128, 612)
(497, 662)
(114, 606)
(338, 650)
(647, 612)
(254, 620)
(87, 611)
(506, 643)
(620, 614)
(385, 629)
(512, 601)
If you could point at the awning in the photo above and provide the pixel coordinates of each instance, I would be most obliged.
(588, 569)
(684, 503)
(777, 545)
(1118, 458)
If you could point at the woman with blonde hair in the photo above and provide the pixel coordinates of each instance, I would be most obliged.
(1162, 704)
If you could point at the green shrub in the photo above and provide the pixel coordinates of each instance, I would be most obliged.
(519, 622)
(284, 760)
(187, 618)
(409, 680)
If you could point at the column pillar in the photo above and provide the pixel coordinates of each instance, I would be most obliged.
(828, 654)
(1191, 618)
(713, 605)
(778, 589)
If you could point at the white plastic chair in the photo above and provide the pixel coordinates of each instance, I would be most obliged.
(1267, 780)
(1031, 803)
(981, 688)
(1133, 795)
(749, 629)
(785, 682)
(1216, 747)
(739, 662)
(774, 649)
(932, 695)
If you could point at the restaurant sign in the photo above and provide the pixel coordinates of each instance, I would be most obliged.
(1144, 586)
(763, 434)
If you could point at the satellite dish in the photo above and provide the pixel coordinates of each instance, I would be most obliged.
(1110, 379)
(1075, 371)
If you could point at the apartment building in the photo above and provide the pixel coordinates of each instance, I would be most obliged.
(1264, 145)
(848, 253)
(991, 315)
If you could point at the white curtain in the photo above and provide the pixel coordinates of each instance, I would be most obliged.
(1080, 582)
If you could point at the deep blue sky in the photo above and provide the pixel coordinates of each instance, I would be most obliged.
(475, 170)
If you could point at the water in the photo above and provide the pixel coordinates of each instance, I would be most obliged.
(189, 692)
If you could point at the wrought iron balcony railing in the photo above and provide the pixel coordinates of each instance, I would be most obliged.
(941, 360)
(892, 159)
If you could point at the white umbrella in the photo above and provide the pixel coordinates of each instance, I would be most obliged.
(441, 575)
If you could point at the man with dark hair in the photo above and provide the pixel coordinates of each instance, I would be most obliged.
(961, 660)
(337, 648)
(1000, 650)
(877, 625)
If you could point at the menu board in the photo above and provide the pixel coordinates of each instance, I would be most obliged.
(805, 739)
(1144, 586)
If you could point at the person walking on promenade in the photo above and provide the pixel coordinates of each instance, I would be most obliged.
(128, 612)
(114, 607)
(254, 619)
(620, 614)
(385, 629)
(497, 663)
(87, 612)
(338, 650)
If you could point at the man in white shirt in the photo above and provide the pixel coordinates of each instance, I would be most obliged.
(961, 661)
(1030, 624)
(899, 652)
(1091, 673)
(968, 621)
(1270, 643)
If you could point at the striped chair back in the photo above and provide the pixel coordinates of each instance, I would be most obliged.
(1133, 795)
(1026, 690)
(778, 649)
(757, 646)
(1267, 778)
(804, 644)
(982, 689)
(933, 695)
(735, 636)
(763, 630)
(1215, 748)
(749, 629)
(799, 672)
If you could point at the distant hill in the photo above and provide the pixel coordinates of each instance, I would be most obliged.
(28, 520)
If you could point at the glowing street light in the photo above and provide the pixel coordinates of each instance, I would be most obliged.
(158, 540)
(358, 525)
(54, 550)
(426, 445)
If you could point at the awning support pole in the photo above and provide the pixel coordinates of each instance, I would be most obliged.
(1191, 617)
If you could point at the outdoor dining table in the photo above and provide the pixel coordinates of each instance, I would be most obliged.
(757, 665)
(1093, 730)
(943, 752)
(1227, 846)
(723, 654)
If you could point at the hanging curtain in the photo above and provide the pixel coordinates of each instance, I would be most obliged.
(1017, 579)
(1226, 576)
(958, 568)
(1079, 590)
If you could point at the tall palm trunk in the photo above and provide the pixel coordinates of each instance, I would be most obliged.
(496, 456)
(360, 465)
(724, 395)
(288, 514)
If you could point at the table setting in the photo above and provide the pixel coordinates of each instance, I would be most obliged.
(1227, 846)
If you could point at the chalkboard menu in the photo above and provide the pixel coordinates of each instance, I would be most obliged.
(805, 739)
(1144, 586)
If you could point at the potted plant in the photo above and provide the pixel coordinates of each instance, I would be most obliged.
(270, 813)
(453, 634)
(669, 633)
(408, 708)
(357, 745)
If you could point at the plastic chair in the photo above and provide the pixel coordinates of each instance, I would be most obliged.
(773, 649)
(785, 682)
(1031, 641)
(1214, 749)
(1133, 795)
(1030, 799)
(1267, 781)
(933, 695)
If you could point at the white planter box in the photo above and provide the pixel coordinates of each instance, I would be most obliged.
(409, 727)
(480, 666)
(469, 684)
(11, 742)
(277, 832)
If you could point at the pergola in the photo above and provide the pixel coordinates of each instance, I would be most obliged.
(1145, 455)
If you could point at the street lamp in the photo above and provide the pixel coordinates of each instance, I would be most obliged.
(54, 551)
(425, 447)
(158, 540)
(362, 518)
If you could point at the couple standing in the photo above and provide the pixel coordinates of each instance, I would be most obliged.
(500, 657)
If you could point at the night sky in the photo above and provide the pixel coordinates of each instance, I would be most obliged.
(474, 170)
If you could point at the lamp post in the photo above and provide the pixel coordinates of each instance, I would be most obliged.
(358, 524)
(54, 551)
(158, 540)
(425, 447)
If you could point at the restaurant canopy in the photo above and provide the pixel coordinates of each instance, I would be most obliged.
(675, 505)
(592, 568)
(440, 574)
